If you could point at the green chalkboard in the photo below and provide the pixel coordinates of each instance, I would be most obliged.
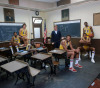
(71, 27)
(7, 30)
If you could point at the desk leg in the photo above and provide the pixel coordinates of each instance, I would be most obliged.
(51, 65)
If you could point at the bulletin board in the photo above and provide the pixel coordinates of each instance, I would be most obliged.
(96, 19)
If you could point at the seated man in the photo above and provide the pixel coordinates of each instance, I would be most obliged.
(71, 52)
(86, 40)
(15, 40)
(23, 34)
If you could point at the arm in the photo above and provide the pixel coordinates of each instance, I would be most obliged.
(20, 32)
(83, 31)
(71, 45)
(92, 30)
(26, 33)
(89, 40)
(12, 40)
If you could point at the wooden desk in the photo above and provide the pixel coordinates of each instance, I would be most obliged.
(13, 66)
(22, 53)
(2, 49)
(5, 51)
(2, 60)
(16, 67)
(26, 55)
(44, 50)
(59, 53)
(43, 58)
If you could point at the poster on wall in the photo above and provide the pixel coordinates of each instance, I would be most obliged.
(65, 14)
(9, 15)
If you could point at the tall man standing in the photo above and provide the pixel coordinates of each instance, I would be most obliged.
(88, 30)
(55, 37)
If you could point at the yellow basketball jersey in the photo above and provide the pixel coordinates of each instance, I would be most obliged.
(16, 39)
(23, 32)
(67, 44)
(87, 30)
(61, 47)
(86, 46)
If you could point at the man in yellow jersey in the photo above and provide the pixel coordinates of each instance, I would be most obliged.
(88, 30)
(23, 34)
(86, 40)
(15, 39)
(71, 52)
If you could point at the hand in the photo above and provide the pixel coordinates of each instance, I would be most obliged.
(53, 43)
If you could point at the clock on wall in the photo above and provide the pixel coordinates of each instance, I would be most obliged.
(36, 13)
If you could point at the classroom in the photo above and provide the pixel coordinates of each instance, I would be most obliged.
(49, 43)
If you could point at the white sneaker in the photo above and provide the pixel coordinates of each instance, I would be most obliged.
(92, 60)
(79, 59)
(86, 54)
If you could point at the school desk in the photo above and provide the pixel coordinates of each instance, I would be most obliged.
(15, 67)
(59, 53)
(43, 58)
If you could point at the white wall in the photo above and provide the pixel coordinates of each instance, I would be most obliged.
(84, 12)
(24, 16)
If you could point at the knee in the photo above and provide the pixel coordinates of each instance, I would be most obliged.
(73, 53)
(93, 49)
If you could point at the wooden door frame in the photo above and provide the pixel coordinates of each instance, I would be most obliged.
(37, 25)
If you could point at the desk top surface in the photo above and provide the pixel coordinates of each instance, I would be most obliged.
(57, 51)
(22, 53)
(4, 49)
(41, 56)
(13, 66)
(2, 59)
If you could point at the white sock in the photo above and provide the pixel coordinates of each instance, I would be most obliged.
(76, 62)
(11, 49)
(93, 54)
(90, 53)
(71, 63)
(17, 48)
(79, 56)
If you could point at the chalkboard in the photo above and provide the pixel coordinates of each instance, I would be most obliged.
(71, 27)
(7, 30)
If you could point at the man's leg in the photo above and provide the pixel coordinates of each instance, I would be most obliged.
(71, 61)
(77, 60)
(93, 54)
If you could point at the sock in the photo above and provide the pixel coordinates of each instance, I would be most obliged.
(11, 49)
(90, 53)
(71, 63)
(93, 54)
(76, 62)
(17, 48)
(79, 56)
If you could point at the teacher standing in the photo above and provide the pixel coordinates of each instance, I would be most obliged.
(55, 37)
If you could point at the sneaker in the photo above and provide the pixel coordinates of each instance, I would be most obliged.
(92, 60)
(77, 65)
(86, 54)
(79, 59)
(72, 69)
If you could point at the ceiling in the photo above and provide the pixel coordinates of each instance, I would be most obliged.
(49, 1)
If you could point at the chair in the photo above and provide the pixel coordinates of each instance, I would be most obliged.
(32, 71)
